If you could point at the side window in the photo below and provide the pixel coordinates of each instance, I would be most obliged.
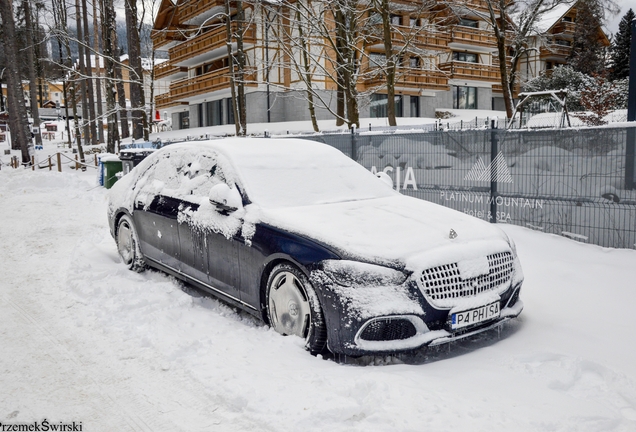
(198, 177)
(187, 174)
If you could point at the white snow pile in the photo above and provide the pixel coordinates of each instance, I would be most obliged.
(85, 340)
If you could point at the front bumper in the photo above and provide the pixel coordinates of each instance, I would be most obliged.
(403, 331)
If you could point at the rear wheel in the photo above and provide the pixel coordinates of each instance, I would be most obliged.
(128, 245)
(293, 307)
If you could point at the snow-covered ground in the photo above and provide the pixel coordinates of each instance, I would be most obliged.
(82, 339)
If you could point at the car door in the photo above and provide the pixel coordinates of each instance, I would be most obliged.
(155, 213)
(208, 250)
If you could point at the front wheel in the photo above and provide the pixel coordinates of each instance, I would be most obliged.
(128, 245)
(294, 309)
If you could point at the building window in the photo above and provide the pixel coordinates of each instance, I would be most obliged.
(563, 42)
(465, 22)
(465, 57)
(396, 20)
(414, 62)
(413, 22)
(184, 120)
(465, 97)
(377, 60)
(229, 107)
(567, 19)
(415, 106)
(214, 115)
(378, 107)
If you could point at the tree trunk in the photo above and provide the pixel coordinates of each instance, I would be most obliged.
(390, 63)
(17, 115)
(139, 118)
(240, 57)
(98, 80)
(82, 79)
(230, 59)
(307, 67)
(110, 46)
(340, 84)
(92, 117)
(35, 114)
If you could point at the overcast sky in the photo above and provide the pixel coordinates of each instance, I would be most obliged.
(613, 21)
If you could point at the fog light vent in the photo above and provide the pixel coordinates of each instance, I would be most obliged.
(388, 329)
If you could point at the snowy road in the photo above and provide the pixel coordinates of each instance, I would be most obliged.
(84, 340)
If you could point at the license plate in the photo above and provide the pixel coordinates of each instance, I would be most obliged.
(475, 316)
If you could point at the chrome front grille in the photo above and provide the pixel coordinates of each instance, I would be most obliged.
(445, 282)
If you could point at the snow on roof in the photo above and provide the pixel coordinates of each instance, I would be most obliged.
(547, 20)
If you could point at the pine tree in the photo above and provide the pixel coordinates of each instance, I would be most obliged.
(620, 49)
(588, 51)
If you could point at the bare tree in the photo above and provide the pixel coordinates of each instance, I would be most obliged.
(110, 46)
(30, 49)
(236, 64)
(140, 119)
(60, 17)
(17, 110)
(85, 48)
(98, 68)
(323, 41)
(514, 23)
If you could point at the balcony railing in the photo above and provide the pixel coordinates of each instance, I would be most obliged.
(465, 70)
(417, 79)
(552, 50)
(206, 42)
(472, 36)
(207, 83)
(564, 27)
(166, 69)
(166, 100)
(164, 37)
(197, 7)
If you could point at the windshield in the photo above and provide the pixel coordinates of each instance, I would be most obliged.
(292, 173)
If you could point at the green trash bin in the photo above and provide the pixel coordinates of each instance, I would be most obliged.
(112, 166)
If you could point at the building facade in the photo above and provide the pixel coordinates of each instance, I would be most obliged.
(447, 59)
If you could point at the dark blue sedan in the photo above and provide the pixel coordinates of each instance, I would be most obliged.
(306, 239)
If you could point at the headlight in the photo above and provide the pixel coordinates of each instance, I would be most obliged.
(353, 273)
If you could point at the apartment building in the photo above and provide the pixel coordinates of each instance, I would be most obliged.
(448, 60)
(551, 44)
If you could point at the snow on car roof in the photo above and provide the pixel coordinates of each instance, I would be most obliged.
(296, 172)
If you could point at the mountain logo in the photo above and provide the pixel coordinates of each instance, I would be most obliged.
(481, 172)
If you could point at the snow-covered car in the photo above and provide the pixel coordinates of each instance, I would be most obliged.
(301, 236)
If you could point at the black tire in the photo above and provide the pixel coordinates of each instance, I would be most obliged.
(293, 307)
(128, 245)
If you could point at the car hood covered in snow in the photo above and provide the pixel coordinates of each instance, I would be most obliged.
(397, 231)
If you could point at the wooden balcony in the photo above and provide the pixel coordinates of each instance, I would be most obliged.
(167, 69)
(207, 83)
(161, 38)
(472, 36)
(198, 7)
(407, 78)
(472, 71)
(564, 27)
(418, 37)
(555, 50)
(207, 42)
(167, 100)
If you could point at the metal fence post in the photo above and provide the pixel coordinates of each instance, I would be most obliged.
(354, 149)
(493, 171)
(630, 160)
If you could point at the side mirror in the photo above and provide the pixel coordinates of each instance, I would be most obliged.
(385, 178)
(225, 200)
